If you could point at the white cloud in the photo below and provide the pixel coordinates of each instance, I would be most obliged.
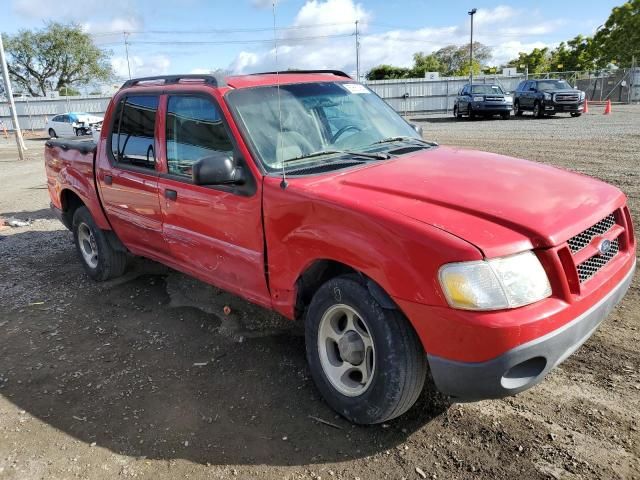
(141, 66)
(66, 10)
(506, 30)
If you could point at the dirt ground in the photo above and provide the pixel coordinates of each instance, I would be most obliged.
(146, 377)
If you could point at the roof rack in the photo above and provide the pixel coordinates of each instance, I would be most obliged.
(338, 73)
(169, 79)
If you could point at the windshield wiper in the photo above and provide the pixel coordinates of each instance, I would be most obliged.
(404, 138)
(373, 156)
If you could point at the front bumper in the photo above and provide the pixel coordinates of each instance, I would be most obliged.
(526, 365)
(564, 107)
(483, 108)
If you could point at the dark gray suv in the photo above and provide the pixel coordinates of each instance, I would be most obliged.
(548, 97)
(483, 100)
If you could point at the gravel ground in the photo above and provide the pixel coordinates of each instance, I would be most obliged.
(146, 377)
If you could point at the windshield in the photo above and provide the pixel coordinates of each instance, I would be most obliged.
(488, 89)
(553, 85)
(316, 117)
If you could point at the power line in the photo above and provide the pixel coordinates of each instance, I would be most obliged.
(225, 42)
(222, 30)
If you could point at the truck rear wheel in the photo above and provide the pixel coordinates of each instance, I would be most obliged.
(366, 360)
(100, 260)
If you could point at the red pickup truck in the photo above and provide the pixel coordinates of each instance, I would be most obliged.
(307, 194)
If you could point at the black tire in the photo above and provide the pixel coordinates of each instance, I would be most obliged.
(576, 114)
(456, 113)
(76, 131)
(516, 109)
(400, 364)
(110, 263)
(538, 110)
(52, 133)
(472, 115)
(505, 116)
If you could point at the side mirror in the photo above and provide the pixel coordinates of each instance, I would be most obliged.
(417, 128)
(217, 169)
(532, 89)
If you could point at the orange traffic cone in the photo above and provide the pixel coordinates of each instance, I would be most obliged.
(607, 108)
(586, 106)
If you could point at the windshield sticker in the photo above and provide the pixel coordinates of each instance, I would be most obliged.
(355, 88)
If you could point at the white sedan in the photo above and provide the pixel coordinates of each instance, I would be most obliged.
(72, 123)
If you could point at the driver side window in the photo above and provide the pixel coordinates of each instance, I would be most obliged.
(194, 130)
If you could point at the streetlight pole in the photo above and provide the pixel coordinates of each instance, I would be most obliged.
(126, 49)
(12, 105)
(357, 52)
(471, 13)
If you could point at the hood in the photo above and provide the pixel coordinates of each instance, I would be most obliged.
(500, 204)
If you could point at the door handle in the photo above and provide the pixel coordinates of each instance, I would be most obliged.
(108, 179)
(170, 194)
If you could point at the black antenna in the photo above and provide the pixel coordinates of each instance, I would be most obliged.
(283, 183)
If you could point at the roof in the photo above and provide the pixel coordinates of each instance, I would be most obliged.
(266, 79)
(242, 81)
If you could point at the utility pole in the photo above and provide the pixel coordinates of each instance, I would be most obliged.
(12, 105)
(471, 13)
(357, 53)
(126, 49)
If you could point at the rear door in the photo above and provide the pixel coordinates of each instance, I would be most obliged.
(215, 232)
(128, 181)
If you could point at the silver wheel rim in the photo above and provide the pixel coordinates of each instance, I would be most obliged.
(347, 352)
(88, 246)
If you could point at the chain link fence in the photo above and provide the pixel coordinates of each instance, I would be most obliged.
(407, 96)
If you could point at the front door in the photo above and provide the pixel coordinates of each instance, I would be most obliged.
(214, 232)
(128, 181)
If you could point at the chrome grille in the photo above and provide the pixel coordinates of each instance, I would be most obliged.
(567, 97)
(584, 238)
(590, 267)
(494, 99)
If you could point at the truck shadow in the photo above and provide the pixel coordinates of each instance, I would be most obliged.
(118, 365)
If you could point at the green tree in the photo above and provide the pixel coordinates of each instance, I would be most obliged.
(576, 54)
(55, 57)
(619, 39)
(386, 72)
(537, 61)
(423, 63)
(455, 59)
(451, 60)
(68, 92)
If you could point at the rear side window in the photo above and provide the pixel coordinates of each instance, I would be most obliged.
(194, 131)
(132, 136)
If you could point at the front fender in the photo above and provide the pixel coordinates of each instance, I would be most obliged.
(400, 254)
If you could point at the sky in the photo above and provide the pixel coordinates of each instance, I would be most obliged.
(199, 36)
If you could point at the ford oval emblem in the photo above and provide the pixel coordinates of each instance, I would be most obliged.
(604, 247)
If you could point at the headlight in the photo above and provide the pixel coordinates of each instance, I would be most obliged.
(547, 96)
(505, 282)
(478, 99)
(508, 98)
(582, 95)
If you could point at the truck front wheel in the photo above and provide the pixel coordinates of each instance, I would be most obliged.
(366, 360)
(100, 260)
(538, 110)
